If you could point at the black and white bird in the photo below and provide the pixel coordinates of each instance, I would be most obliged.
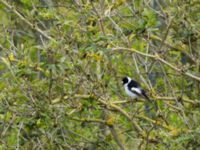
(133, 89)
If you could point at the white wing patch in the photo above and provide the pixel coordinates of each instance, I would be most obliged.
(137, 90)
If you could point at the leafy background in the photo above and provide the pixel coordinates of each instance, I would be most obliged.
(62, 64)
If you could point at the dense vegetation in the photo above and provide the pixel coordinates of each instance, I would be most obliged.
(61, 64)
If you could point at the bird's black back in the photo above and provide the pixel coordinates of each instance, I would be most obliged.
(134, 84)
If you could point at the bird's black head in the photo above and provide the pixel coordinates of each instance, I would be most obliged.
(125, 80)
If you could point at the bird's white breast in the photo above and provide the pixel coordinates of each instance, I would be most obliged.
(129, 93)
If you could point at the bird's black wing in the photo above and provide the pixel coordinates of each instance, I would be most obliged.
(134, 84)
(134, 87)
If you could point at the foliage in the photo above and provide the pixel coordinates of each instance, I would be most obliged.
(62, 64)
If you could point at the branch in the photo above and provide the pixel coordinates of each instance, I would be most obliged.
(88, 120)
(154, 37)
(172, 130)
(121, 111)
(194, 102)
(25, 20)
(115, 107)
(157, 57)
(111, 127)
(116, 137)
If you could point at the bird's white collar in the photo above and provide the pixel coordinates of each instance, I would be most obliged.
(129, 79)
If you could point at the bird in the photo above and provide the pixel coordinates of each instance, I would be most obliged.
(133, 88)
